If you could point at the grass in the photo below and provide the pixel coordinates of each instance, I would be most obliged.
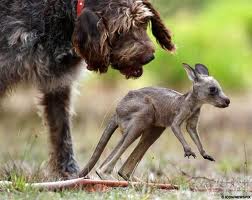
(115, 194)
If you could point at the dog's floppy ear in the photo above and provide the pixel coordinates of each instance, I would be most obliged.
(90, 41)
(161, 33)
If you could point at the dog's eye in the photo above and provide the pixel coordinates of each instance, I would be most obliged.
(213, 90)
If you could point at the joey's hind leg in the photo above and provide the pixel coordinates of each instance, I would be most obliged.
(117, 147)
(147, 139)
(99, 172)
(131, 135)
(57, 113)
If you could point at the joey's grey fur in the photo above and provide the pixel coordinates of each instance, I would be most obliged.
(148, 111)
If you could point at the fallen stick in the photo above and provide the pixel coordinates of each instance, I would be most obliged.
(104, 185)
(82, 183)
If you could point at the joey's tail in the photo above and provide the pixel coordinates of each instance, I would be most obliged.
(109, 130)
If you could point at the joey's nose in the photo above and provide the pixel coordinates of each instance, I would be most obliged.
(227, 101)
(147, 59)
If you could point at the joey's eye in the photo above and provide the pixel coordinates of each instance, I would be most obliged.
(213, 90)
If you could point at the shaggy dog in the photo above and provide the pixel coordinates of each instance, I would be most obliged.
(43, 43)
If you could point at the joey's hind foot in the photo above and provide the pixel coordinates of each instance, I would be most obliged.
(104, 176)
(136, 179)
(124, 176)
(129, 178)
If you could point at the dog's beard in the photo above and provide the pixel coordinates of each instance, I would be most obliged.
(130, 71)
(99, 68)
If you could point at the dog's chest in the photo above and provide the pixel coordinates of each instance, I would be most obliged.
(51, 69)
(61, 71)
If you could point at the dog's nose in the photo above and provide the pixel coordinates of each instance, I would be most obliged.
(147, 59)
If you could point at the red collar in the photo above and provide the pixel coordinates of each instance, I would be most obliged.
(80, 6)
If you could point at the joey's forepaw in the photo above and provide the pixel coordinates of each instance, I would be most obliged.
(207, 157)
(189, 153)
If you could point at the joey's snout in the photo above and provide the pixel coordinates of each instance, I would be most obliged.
(224, 102)
(227, 101)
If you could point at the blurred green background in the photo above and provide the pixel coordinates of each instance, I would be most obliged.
(217, 33)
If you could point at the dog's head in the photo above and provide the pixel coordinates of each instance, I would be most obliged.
(115, 33)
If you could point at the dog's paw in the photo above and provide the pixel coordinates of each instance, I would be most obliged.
(69, 170)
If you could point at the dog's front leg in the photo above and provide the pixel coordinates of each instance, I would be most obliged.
(57, 113)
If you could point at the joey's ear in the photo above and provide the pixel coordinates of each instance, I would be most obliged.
(90, 41)
(201, 69)
(161, 33)
(190, 72)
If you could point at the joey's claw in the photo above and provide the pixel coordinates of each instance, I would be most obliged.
(205, 156)
(189, 153)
